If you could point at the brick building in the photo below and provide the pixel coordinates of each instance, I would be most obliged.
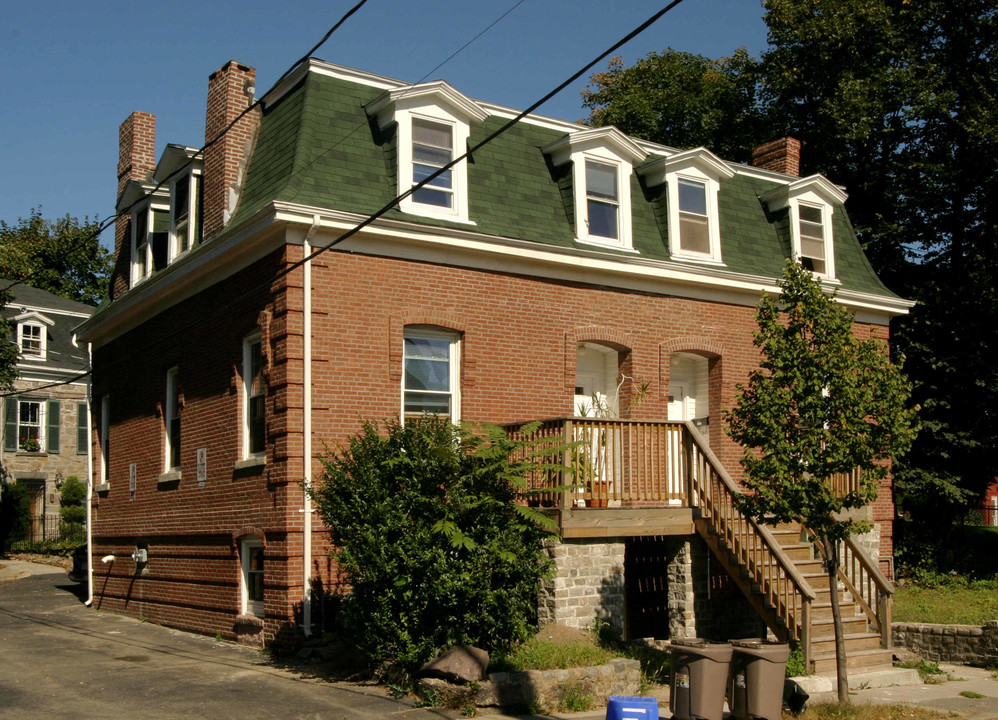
(44, 438)
(549, 275)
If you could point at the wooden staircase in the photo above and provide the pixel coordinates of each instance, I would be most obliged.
(783, 577)
(864, 647)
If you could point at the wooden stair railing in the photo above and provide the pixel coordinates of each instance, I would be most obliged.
(870, 588)
(753, 557)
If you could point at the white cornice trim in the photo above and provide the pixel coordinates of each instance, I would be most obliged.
(696, 280)
(33, 315)
(780, 196)
(655, 171)
(46, 310)
(431, 93)
(605, 137)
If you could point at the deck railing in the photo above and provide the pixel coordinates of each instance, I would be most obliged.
(712, 492)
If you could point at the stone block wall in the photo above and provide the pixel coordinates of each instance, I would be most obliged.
(964, 644)
(588, 584)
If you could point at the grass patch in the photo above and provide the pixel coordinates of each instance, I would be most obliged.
(927, 670)
(971, 694)
(950, 600)
(540, 654)
(834, 711)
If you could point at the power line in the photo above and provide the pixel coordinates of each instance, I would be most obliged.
(393, 203)
(107, 222)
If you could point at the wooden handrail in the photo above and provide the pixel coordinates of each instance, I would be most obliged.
(712, 492)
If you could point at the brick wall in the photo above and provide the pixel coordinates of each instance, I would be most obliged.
(519, 338)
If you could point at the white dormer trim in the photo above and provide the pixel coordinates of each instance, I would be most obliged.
(599, 149)
(444, 108)
(39, 323)
(814, 191)
(696, 168)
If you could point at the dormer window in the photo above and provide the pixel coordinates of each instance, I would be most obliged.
(433, 123)
(150, 241)
(810, 202)
(32, 334)
(694, 221)
(31, 340)
(185, 213)
(602, 160)
(602, 200)
(432, 148)
(693, 183)
(811, 226)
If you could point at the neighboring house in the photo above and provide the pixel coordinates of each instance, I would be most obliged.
(46, 419)
(989, 505)
(550, 275)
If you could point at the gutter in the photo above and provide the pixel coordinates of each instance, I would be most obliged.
(90, 486)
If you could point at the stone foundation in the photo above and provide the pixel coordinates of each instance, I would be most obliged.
(963, 644)
(588, 584)
(542, 690)
(701, 600)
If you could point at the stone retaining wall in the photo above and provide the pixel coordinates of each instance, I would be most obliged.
(964, 644)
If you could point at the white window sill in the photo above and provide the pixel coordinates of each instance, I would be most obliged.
(102, 488)
(609, 244)
(250, 463)
(249, 621)
(699, 259)
(169, 478)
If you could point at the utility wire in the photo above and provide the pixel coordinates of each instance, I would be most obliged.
(106, 223)
(393, 203)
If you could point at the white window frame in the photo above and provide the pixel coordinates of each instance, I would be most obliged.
(181, 244)
(171, 412)
(454, 368)
(42, 340)
(142, 249)
(246, 605)
(602, 146)
(439, 103)
(700, 166)
(105, 427)
(249, 341)
(42, 425)
(813, 191)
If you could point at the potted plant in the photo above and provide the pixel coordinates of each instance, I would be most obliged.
(30, 444)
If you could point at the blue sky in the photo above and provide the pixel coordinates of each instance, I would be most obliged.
(71, 71)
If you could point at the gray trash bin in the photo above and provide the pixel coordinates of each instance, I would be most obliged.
(757, 673)
(698, 679)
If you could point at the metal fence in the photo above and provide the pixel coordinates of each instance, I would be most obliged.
(45, 529)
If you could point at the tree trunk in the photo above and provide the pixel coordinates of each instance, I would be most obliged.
(832, 568)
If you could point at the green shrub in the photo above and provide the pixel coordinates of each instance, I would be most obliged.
(796, 667)
(71, 498)
(432, 540)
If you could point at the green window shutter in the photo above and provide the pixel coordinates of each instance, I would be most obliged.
(10, 425)
(81, 428)
(52, 440)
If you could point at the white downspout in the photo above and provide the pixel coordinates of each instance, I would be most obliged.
(307, 389)
(90, 482)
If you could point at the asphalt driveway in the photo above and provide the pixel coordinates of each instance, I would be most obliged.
(60, 659)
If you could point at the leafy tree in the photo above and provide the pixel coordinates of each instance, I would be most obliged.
(822, 403)
(681, 99)
(63, 256)
(9, 353)
(896, 101)
(433, 544)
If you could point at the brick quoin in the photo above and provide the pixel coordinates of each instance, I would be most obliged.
(518, 340)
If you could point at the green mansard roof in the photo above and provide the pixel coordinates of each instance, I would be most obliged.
(317, 147)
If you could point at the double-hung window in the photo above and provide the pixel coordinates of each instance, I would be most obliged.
(171, 416)
(812, 238)
(31, 425)
(602, 200)
(432, 149)
(430, 381)
(694, 221)
(31, 338)
(104, 439)
(251, 589)
(82, 425)
(254, 394)
(150, 241)
(185, 213)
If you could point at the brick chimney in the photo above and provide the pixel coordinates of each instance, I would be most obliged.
(230, 91)
(782, 156)
(136, 159)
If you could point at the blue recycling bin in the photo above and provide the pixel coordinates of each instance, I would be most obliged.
(627, 707)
